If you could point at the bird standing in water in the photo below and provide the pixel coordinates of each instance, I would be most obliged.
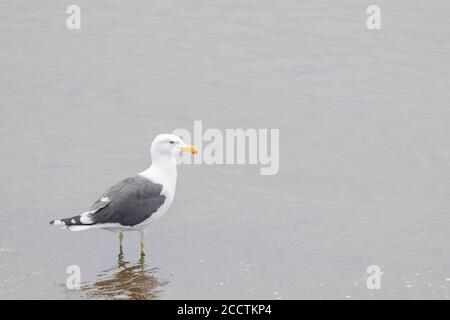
(134, 202)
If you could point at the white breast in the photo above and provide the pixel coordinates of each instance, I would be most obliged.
(167, 177)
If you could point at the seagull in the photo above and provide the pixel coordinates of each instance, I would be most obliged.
(134, 202)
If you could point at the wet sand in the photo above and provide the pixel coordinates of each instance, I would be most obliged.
(364, 147)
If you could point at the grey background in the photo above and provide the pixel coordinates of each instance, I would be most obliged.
(364, 146)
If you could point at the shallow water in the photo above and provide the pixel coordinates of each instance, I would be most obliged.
(364, 147)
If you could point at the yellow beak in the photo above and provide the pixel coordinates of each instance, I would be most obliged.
(190, 149)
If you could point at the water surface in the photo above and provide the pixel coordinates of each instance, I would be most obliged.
(364, 147)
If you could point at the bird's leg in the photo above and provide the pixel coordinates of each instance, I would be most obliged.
(120, 243)
(120, 237)
(142, 261)
(142, 243)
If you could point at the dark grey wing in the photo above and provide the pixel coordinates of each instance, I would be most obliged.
(129, 202)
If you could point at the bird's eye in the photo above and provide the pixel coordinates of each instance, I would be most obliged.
(172, 142)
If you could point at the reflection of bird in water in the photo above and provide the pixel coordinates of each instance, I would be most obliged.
(134, 202)
(127, 281)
